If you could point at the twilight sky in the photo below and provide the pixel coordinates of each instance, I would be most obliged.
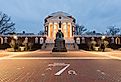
(93, 14)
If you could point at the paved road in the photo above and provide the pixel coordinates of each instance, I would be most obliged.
(50, 69)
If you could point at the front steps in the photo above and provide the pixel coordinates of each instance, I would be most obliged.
(69, 46)
(48, 46)
(72, 47)
(69, 43)
(67, 40)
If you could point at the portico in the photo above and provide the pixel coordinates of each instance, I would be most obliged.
(54, 27)
(59, 21)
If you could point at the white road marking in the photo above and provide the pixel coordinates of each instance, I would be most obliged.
(62, 70)
(72, 72)
(98, 70)
(103, 73)
(49, 69)
(37, 58)
(57, 64)
(20, 68)
(43, 74)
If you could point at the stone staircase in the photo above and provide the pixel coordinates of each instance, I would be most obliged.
(69, 46)
(48, 46)
(67, 40)
(72, 47)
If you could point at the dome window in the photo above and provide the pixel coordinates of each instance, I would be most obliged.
(59, 17)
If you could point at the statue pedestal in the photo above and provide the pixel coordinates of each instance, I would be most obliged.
(59, 46)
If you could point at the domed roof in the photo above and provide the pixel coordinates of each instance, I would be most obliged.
(60, 13)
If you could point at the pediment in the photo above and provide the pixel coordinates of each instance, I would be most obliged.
(59, 17)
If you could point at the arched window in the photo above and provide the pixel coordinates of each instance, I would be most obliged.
(117, 40)
(1, 40)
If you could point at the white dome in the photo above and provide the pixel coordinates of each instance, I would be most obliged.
(60, 13)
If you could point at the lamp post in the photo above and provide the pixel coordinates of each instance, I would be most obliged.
(15, 38)
(103, 37)
(103, 44)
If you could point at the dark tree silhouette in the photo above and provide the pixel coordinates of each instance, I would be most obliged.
(6, 26)
(41, 32)
(93, 32)
(80, 29)
(113, 30)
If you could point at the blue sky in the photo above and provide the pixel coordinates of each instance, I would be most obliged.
(93, 14)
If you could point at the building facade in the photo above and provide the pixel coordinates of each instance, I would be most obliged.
(59, 21)
(64, 22)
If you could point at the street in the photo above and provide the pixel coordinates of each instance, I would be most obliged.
(60, 69)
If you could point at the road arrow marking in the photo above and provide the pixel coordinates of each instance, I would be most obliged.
(62, 70)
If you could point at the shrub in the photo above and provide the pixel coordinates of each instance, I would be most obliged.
(4, 46)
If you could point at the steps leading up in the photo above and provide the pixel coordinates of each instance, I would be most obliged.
(48, 46)
(69, 46)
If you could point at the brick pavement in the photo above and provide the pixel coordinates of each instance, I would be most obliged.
(40, 71)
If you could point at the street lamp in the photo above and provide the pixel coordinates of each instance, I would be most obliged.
(14, 42)
(15, 37)
(103, 44)
(103, 37)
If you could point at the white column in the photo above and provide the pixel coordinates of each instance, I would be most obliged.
(45, 30)
(36, 40)
(1, 40)
(67, 29)
(5, 40)
(78, 40)
(92, 38)
(112, 40)
(49, 30)
(26, 40)
(53, 31)
(83, 40)
(70, 30)
(41, 40)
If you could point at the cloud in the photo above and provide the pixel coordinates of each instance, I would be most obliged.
(94, 14)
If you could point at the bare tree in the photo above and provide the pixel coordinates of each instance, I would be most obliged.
(113, 30)
(41, 32)
(6, 26)
(80, 29)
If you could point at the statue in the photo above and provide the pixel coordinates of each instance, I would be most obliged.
(59, 35)
(59, 43)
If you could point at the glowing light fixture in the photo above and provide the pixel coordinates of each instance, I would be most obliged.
(103, 37)
(15, 37)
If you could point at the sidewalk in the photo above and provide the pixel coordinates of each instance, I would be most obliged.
(4, 53)
(115, 53)
(40, 53)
